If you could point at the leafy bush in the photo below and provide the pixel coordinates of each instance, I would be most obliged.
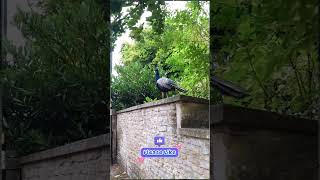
(133, 85)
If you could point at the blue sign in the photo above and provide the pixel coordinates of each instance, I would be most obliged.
(159, 140)
(159, 152)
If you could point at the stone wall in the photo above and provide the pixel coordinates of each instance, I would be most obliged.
(181, 120)
(251, 144)
(87, 159)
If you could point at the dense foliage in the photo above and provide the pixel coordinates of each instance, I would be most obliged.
(181, 51)
(56, 89)
(122, 21)
(135, 83)
(269, 48)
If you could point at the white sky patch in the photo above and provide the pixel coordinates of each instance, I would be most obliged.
(124, 38)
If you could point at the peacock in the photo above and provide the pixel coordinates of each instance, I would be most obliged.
(228, 88)
(165, 84)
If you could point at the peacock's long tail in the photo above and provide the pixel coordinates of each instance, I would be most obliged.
(180, 89)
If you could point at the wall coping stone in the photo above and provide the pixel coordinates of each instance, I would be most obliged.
(174, 99)
(75, 147)
(195, 132)
(229, 115)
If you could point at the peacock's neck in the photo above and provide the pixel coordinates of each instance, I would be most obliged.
(157, 75)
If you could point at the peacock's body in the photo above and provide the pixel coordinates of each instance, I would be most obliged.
(165, 84)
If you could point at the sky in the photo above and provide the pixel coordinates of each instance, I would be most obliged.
(124, 38)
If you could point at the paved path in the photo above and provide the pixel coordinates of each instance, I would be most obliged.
(118, 173)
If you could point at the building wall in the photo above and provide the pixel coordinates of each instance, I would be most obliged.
(137, 126)
(83, 160)
(251, 144)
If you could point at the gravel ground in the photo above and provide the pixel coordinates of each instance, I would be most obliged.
(118, 173)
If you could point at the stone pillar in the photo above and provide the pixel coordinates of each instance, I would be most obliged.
(12, 165)
(192, 115)
(217, 148)
(2, 155)
(113, 136)
(1, 136)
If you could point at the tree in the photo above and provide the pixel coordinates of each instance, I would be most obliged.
(57, 89)
(271, 51)
(185, 49)
(181, 53)
(121, 22)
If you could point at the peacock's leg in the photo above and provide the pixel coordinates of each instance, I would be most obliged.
(162, 95)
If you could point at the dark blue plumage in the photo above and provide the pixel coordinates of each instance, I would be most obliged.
(228, 88)
(165, 85)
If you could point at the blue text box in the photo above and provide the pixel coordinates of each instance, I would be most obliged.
(159, 152)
